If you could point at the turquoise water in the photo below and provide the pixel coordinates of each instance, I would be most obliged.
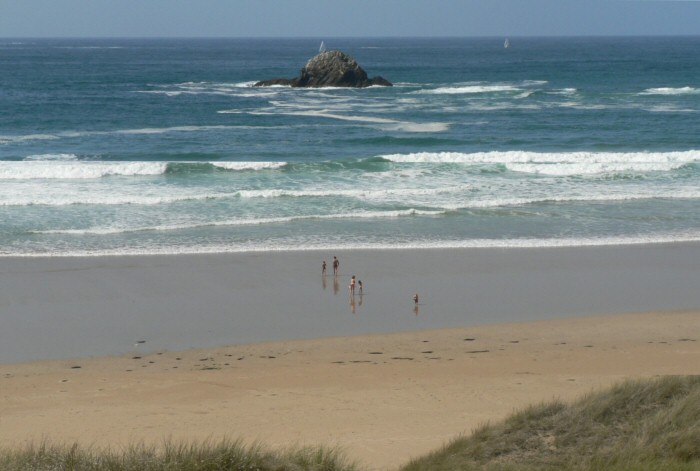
(163, 146)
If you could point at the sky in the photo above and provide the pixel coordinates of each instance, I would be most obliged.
(355, 18)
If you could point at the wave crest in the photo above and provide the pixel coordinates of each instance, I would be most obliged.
(67, 167)
(559, 163)
(671, 91)
(470, 89)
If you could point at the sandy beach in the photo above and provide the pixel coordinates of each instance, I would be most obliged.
(381, 398)
(112, 351)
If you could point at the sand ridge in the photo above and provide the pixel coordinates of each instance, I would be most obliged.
(382, 398)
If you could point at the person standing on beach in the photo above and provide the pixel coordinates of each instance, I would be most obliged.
(323, 268)
(359, 286)
(336, 264)
(352, 286)
(415, 299)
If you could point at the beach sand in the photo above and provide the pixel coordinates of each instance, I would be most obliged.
(382, 398)
(288, 362)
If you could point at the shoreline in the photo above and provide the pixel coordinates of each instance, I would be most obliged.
(382, 398)
(475, 244)
(97, 306)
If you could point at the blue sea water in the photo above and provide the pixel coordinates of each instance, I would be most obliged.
(125, 146)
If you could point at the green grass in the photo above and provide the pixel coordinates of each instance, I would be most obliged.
(638, 425)
(206, 456)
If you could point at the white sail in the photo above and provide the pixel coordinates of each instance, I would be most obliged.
(506, 44)
(322, 48)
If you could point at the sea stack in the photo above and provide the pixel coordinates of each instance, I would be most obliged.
(329, 69)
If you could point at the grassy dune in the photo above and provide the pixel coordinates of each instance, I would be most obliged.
(637, 425)
(223, 456)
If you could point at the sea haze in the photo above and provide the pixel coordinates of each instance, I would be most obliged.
(111, 146)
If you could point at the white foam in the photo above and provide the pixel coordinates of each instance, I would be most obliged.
(534, 83)
(27, 137)
(592, 168)
(136, 131)
(354, 193)
(107, 199)
(241, 89)
(305, 245)
(455, 198)
(560, 163)
(324, 114)
(564, 91)
(669, 109)
(241, 222)
(161, 92)
(671, 91)
(405, 126)
(568, 198)
(525, 94)
(249, 165)
(66, 166)
(469, 89)
(581, 106)
(386, 123)
(169, 129)
(52, 157)
(38, 169)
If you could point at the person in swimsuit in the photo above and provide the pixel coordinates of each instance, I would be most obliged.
(323, 268)
(336, 264)
(352, 285)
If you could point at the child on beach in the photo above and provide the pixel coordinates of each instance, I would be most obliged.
(352, 285)
(359, 285)
(415, 298)
(336, 264)
(323, 268)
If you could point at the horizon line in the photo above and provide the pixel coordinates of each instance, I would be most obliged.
(317, 37)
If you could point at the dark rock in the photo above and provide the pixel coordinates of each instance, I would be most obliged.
(329, 69)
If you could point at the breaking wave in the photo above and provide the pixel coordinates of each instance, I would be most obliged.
(66, 166)
(470, 89)
(560, 163)
(671, 91)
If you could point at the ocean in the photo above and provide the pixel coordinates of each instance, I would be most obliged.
(163, 146)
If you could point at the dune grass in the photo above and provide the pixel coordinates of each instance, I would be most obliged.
(637, 425)
(205, 456)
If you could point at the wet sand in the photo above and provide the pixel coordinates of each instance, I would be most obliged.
(77, 307)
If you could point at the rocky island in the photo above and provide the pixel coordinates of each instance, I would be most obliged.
(329, 69)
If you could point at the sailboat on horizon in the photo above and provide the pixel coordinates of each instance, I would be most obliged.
(322, 48)
(506, 43)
